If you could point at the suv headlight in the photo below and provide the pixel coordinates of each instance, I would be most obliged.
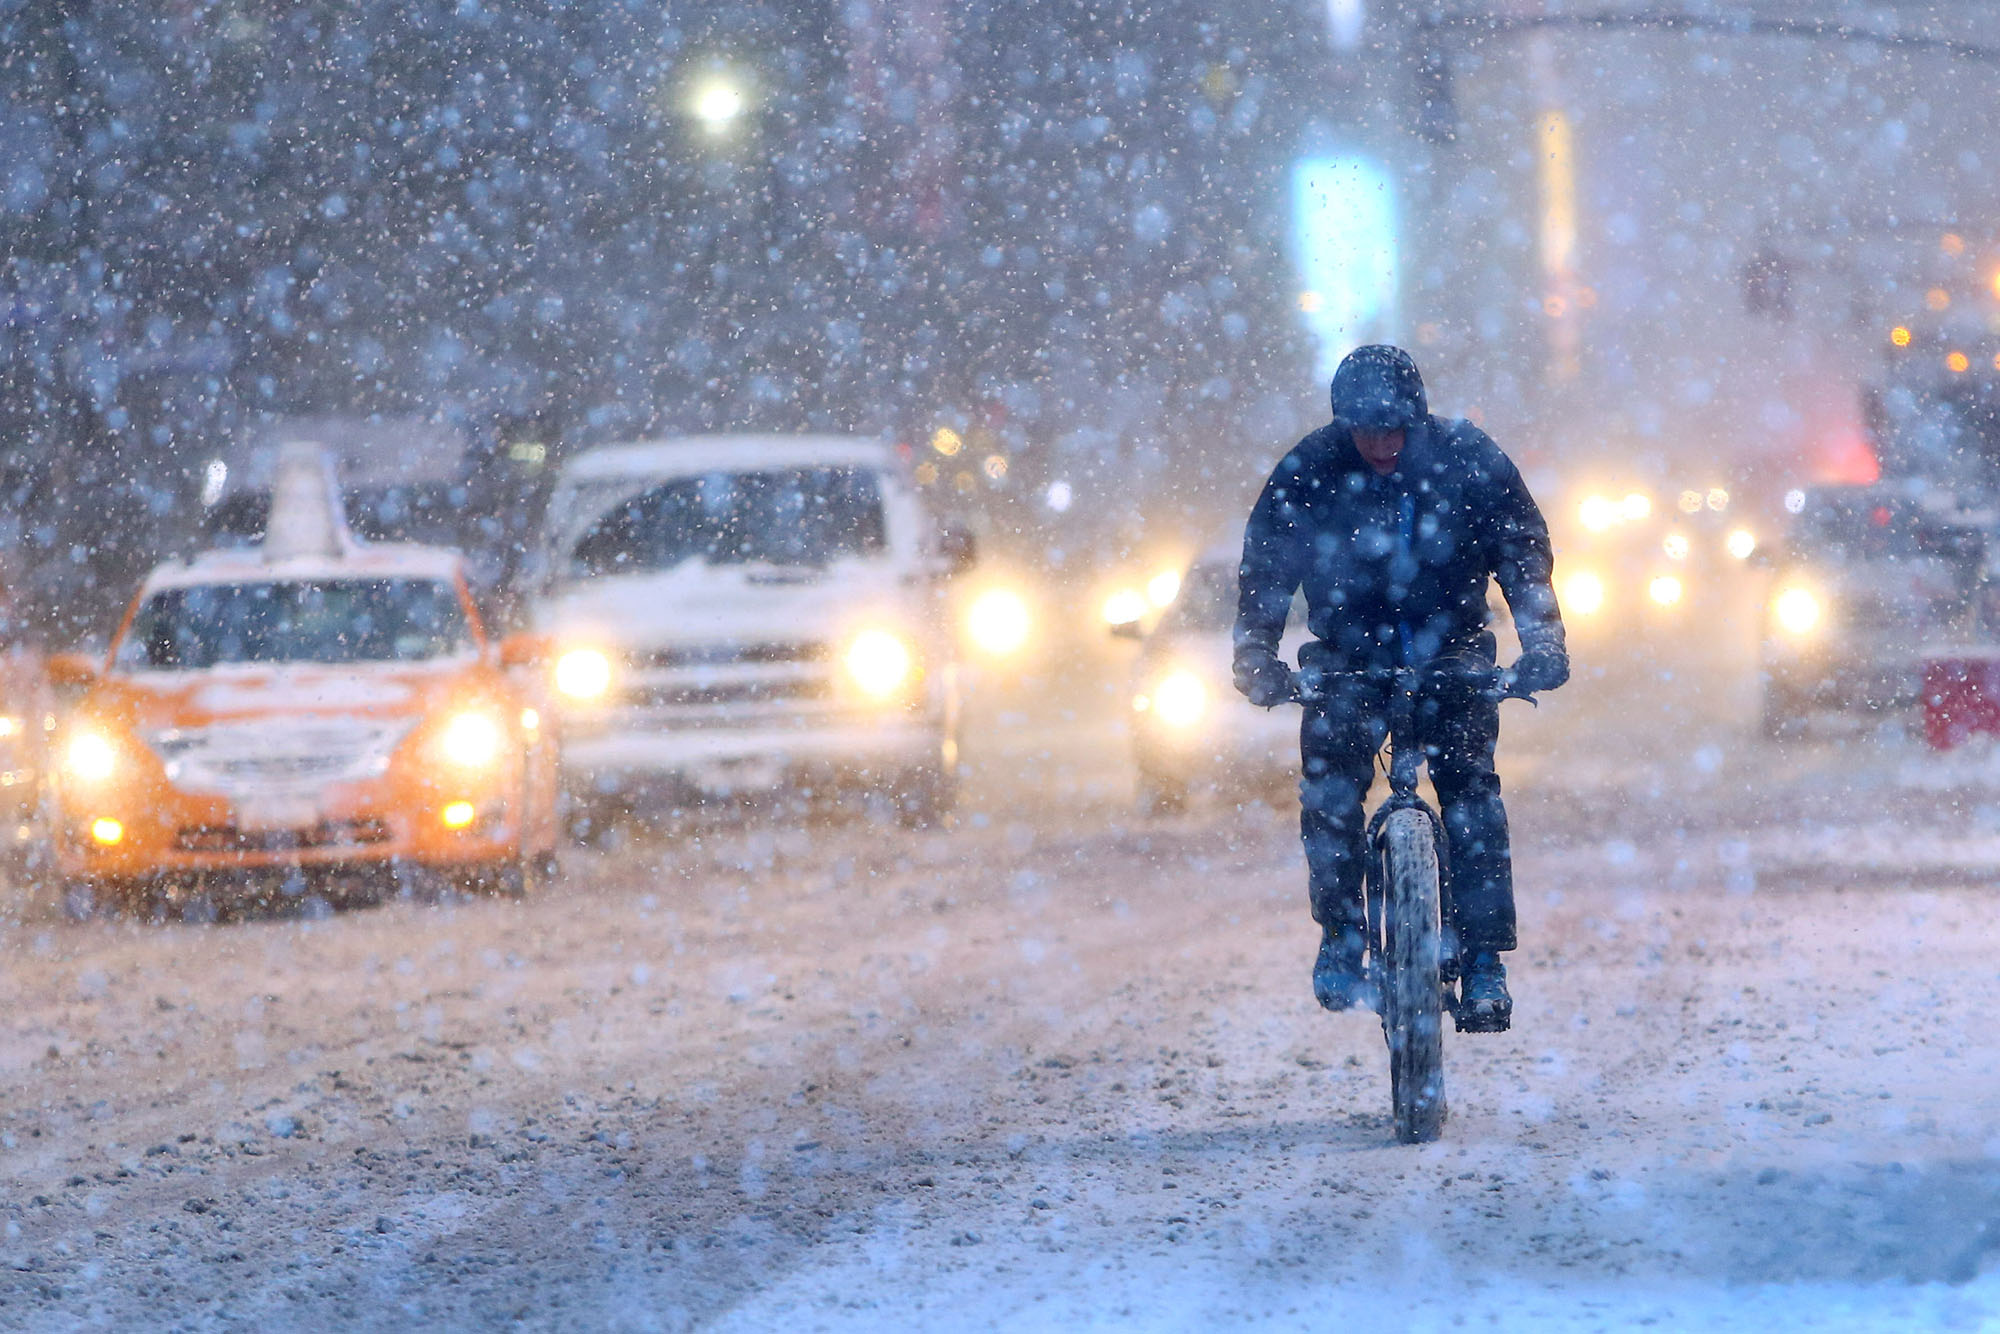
(583, 674)
(880, 663)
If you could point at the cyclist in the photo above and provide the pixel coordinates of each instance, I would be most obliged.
(1392, 520)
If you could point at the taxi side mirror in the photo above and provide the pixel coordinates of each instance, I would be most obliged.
(71, 671)
(523, 650)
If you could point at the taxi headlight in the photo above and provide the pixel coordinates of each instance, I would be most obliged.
(1666, 590)
(879, 662)
(1797, 611)
(90, 757)
(471, 741)
(998, 622)
(1181, 699)
(583, 673)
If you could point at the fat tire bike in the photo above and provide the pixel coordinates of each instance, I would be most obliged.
(1412, 958)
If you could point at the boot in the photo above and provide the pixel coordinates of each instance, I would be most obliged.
(1340, 978)
(1483, 1003)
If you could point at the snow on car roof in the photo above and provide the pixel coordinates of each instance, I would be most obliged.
(363, 560)
(726, 453)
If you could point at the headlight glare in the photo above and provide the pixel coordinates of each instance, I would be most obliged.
(1796, 611)
(90, 757)
(1181, 699)
(879, 662)
(583, 674)
(998, 622)
(471, 741)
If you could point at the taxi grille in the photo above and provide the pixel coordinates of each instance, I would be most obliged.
(326, 834)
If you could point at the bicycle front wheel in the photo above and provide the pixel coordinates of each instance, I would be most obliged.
(1413, 990)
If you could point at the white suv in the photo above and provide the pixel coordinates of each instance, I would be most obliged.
(734, 614)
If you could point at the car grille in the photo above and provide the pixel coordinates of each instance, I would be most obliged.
(326, 834)
(724, 655)
(284, 754)
(696, 695)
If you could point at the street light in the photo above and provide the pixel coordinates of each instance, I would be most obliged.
(718, 103)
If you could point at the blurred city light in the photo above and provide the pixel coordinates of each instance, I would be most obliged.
(946, 441)
(1718, 499)
(1597, 513)
(1797, 611)
(1900, 336)
(1742, 543)
(1163, 587)
(1676, 546)
(1957, 363)
(1344, 233)
(1058, 497)
(1636, 506)
(1665, 590)
(1690, 502)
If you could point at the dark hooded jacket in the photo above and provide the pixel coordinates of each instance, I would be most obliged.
(1395, 560)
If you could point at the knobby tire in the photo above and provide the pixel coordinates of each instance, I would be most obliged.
(1413, 998)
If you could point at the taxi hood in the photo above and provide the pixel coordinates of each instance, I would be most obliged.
(243, 692)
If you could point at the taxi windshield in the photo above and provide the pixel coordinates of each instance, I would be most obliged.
(318, 620)
(795, 516)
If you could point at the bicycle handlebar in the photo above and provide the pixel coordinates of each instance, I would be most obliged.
(1492, 683)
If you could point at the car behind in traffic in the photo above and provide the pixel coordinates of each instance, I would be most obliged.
(1191, 731)
(743, 614)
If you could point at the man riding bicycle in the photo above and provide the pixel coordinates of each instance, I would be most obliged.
(1392, 521)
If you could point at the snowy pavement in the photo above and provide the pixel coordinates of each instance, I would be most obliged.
(1058, 1066)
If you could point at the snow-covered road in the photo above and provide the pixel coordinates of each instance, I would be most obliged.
(1056, 1066)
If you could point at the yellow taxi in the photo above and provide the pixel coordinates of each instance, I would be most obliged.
(314, 702)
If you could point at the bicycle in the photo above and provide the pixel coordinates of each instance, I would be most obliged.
(1412, 969)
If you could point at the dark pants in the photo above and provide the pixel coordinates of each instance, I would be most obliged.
(1338, 744)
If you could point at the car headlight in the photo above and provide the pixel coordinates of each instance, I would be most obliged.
(998, 622)
(1666, 590)
(879, 662)
(1797, 611)
(90, 757)
(1180, 699)
(583, 674)
(1583, 594)
(471, 741)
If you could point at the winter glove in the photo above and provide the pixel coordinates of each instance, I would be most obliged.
(1263, 680)
(1539, 669)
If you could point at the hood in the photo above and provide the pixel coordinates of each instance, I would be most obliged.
(248, 692)
(700, 603)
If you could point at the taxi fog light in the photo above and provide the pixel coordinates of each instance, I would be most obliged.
(998, 622)
(471, 741)
(879, 662)
(107, 832)
(1180, 699)
(1666, 591)
(90, 757)
(1797, 611)
(458, 815)
(583, 674)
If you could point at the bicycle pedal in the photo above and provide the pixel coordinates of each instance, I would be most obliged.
(1479, 1019)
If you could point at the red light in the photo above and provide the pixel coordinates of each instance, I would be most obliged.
(1879, 516)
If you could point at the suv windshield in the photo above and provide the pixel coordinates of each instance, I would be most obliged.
(1867, 526)
(802, 516)
(331, 620)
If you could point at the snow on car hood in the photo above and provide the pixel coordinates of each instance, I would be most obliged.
(181, 700)
(699, 603)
